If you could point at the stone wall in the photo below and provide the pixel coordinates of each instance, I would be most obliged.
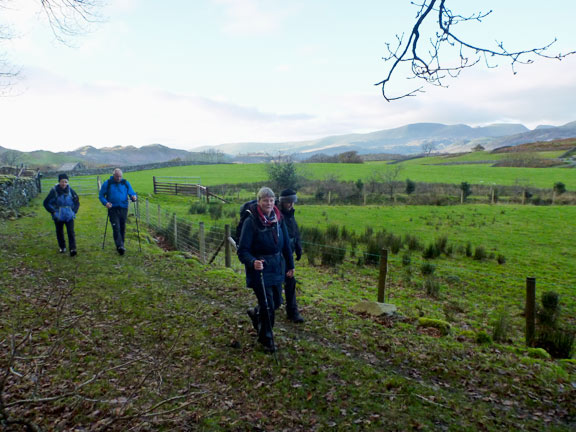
(15, 193)
(125, 169)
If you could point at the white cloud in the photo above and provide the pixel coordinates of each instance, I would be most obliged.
(57, 114)
(251, 17)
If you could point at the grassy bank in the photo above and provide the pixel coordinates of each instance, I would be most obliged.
(155, 341)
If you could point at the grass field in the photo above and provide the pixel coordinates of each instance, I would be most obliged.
(157, 341)
(526, 236)
(154, 341)
(417, 170)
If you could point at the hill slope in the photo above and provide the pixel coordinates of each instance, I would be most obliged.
(154, 341)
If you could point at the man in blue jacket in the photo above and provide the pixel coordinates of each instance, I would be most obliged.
(115, 194)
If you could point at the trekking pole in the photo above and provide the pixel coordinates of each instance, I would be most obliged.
(268, 314)
(106, 227)
(137, 214)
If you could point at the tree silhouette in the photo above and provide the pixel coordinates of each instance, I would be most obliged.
(431, 63)
(67, 18)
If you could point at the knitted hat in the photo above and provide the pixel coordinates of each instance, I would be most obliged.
(288, 195)
(62, 176)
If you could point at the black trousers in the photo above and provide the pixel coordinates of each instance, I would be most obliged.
(290, 294)
(118, 216)
(69, 230)
(274, 298)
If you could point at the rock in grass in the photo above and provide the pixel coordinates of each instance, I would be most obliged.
(375, 308)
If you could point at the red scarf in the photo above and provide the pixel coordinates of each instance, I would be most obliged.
(269, 221)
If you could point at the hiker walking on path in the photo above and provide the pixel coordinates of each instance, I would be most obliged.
(286, 204)
(115, 195)
(63, 203)
(264, 243)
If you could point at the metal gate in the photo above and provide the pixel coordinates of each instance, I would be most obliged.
(82, 185)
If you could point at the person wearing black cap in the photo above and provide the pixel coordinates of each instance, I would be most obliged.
(287, 199)
(63, 204)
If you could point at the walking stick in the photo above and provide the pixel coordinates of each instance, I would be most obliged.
(106, 227)
(268, 314)
(137, 214)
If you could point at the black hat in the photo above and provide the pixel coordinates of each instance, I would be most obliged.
(62, 176)
(288, 195)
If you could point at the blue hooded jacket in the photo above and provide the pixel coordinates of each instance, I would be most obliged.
(63, 204)
(117, 193)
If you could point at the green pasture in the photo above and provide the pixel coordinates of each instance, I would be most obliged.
(209, 175)
(154, 340)
(536, 241)
(415, 170)
(480, 156)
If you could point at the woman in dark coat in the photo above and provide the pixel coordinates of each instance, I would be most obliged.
(63, 204)
(263, 245)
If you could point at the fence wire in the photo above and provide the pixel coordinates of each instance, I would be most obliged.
(207, 242)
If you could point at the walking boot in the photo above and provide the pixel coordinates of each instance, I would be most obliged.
(296, 318)
(253, 314)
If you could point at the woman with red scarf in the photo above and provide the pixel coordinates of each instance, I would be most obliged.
(263, 244)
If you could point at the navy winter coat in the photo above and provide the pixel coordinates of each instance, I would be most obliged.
(118, 193)
(63, 204)
(293, 231)
(258, 242)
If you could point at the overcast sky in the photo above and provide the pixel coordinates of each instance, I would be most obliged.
(205, 72)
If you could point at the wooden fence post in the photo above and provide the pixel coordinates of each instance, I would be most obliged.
(98, 183)
(227, 250)
(147, 212)
(207, 196)
(202, 242)
(382, 275)
(329, 197)
(530, 310)
(154, 181)
(175, 232)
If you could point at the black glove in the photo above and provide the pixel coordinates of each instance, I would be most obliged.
(298, 254)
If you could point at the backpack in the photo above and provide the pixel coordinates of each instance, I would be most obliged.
(122, 182)
(64, 204)
(244, 213)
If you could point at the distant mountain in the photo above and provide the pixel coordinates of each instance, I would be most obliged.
(129, 155)
(543, 134)
(403, 140)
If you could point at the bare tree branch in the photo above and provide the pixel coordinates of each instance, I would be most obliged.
(430, 62)
(67, 19)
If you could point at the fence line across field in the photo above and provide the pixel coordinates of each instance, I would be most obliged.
(214, 244)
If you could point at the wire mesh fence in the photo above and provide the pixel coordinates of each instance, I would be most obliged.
(406, 262)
